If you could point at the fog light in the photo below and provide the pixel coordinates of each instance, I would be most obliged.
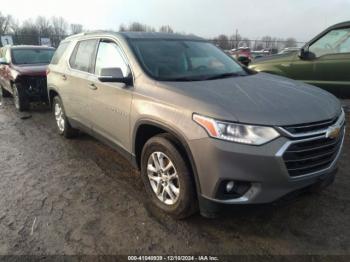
(229, 186)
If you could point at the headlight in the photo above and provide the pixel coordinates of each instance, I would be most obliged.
(239, 133)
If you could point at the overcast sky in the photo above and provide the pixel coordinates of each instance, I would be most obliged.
(301, 19)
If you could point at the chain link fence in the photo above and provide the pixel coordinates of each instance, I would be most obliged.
(53, 40)
(273, 46)
(25, 39)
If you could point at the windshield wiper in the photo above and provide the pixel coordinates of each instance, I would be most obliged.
(185, 78)
(224, 75)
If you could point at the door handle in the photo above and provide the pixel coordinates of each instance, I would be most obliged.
(92, 86)
(64, 77)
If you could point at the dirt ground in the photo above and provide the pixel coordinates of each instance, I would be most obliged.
(78, 196)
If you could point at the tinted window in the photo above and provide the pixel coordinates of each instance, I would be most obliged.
(174, 60)
(334, 42)
(31, 56)
(83, 55)
(59, 52)
(109, 55)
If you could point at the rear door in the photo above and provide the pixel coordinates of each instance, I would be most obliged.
(111, 102)
(332, 61)
(79, 92)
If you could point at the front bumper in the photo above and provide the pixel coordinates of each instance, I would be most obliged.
(262, 166)
(35, 88)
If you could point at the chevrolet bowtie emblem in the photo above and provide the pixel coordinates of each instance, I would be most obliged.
(333, 132)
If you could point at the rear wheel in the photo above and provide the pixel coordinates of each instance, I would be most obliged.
(4, 92)
(167, 178)
(63, 126)
(20, 99)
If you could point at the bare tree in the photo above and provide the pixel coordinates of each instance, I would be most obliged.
(291, 42)
(43, 26)
(5, 24)
(122, 28)
(76, 28)
(235, 39)
(59, 26)
(136, 27)
(223, 42)
(166, 29)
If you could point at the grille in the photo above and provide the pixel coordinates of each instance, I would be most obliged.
(311, 156)
(37, 84)
(310, 127)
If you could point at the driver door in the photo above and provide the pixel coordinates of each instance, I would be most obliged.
(331, 64)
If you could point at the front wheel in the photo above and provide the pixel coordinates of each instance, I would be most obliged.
(20, 99)
(167, 177)
(63, 126)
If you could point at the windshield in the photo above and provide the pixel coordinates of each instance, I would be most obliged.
(32, 56)
(183, 60)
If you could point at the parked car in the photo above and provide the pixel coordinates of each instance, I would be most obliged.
(288, 50)
(259, 53)
(23, 73)
(204, 131)
(243, 55)
(324, 61)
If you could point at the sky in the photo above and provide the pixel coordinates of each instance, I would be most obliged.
(301, 19)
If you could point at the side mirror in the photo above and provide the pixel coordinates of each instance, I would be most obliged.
(3, 61)
(305, 54)
(114, 74)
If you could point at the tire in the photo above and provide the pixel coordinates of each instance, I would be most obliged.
(62, 124)
(20, 99)
(182, 187)
(4, 92)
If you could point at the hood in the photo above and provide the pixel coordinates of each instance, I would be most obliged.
(261, 99)
(31, 70)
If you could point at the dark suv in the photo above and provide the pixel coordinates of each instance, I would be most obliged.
(23, 73)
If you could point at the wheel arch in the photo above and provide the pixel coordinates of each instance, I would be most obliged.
(162, 128)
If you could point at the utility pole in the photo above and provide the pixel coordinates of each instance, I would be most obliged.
(236, 38)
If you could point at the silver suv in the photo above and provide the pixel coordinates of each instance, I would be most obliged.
(204, 131)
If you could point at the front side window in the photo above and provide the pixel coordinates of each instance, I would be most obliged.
(59, 52)
(334, 42)
(184, 60)
(23, 56)
(83, 55)
(109, 55)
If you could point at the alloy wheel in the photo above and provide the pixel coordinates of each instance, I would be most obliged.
(59, 115)
(163, 178)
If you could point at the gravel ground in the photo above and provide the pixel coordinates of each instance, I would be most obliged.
(78, 196)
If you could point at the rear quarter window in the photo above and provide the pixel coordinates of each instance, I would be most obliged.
(82, 58)
(59, 53)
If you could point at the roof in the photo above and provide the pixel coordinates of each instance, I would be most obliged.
(340, 25)
(333, 27)
(139, 35)
(154, 35)
(30, 47)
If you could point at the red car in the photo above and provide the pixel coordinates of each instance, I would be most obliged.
(243, 55)
(23, 73)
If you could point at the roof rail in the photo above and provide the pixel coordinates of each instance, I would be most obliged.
(98, 32)
(88, 33)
